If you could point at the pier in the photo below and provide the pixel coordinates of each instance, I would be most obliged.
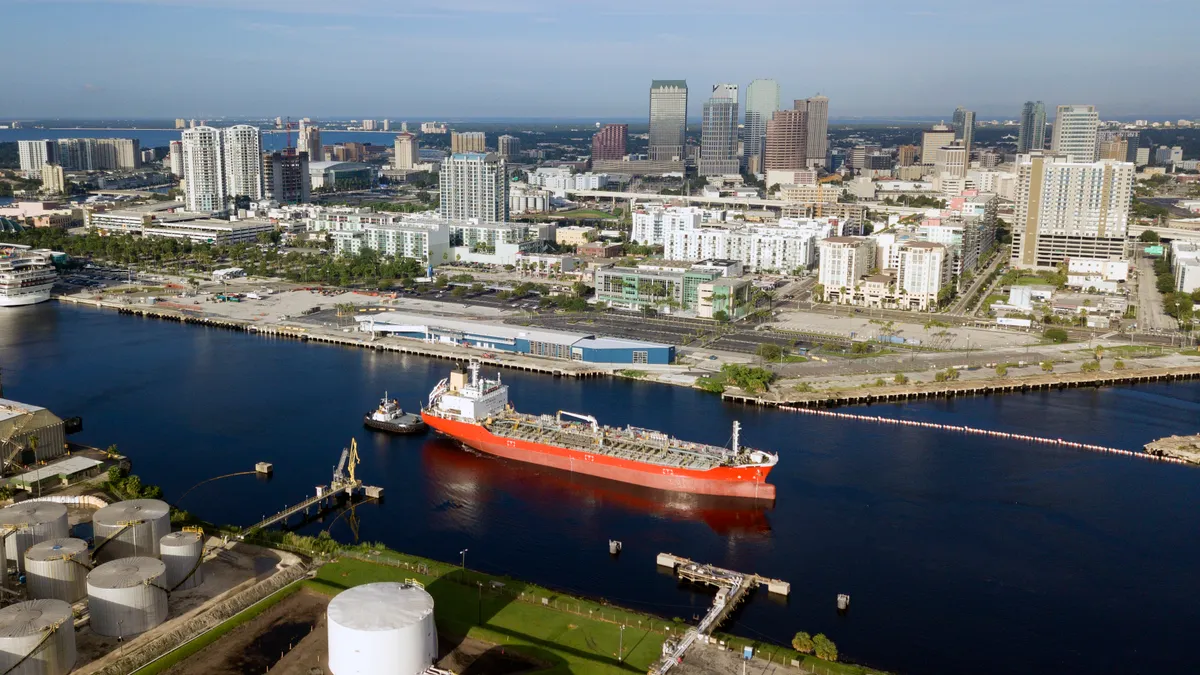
(732, 588)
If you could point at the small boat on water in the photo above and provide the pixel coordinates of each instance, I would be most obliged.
(390, 418)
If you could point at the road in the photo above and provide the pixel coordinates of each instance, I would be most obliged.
(1150, 315)
(959, 306)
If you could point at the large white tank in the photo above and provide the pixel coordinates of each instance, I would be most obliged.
(381, 629)
(131, 528)
(181, 553)
(46, 626)
(57, 569)
(127, 596)
(26, 524)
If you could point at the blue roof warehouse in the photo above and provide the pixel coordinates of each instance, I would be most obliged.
(517, 339)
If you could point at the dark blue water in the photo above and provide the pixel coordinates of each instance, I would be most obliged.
(152, 138)
(961, 554)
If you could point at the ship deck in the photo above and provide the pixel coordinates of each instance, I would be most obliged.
(656, 448)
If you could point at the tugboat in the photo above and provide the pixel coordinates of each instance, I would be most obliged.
(390, 418)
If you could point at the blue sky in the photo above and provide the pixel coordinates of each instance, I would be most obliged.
(550, 58)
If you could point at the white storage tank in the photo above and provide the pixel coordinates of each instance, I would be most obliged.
(127, 596)
(381, 629)
(57, 569)
(131, 528)
(181, 553)
(46, 627)
(28, 523)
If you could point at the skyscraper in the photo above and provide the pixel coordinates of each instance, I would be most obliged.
(1066, 209)
(176, 159)
(1032, 134)
(668, 119)
(817, 145)
(1075, 129)
(34, 154)
(242, 158)
(310, 142)
(933, 139)
(203, 175)
(408, 152)
(718, 133)
(609, 142)
(474, 185)
(762, 100)
(964, 127)
(468, 141)
(787, 139)
(508, 146)
(286, 178)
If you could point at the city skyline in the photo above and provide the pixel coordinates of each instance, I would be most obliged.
(258, 37)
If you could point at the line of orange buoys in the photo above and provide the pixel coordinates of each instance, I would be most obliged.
(984, 432)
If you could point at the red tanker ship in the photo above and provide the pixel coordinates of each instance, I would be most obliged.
(475, 411)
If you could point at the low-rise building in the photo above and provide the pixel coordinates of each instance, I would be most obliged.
(654, 286)
(1185, 263)
(425, 240)
(574, 235)
(725, 297)
(210, 230)
(599, 249)
(336, 176)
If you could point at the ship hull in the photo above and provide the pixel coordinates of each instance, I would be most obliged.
(25, 298)
(413, 425)
(725, 481)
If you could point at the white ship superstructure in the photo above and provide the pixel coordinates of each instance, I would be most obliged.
(26, 276)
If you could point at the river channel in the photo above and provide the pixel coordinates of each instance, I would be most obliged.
(960, 553)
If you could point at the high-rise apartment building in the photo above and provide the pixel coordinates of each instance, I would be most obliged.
(176, 159)
(762, 100)
(180, 123)
(1116, 149)
(1111, 140)
(408, 152)
(932, 139)
(817, 144)
(310, 142)
(925, 268)
(468, 141)
(1075, 131)
(286, 178)
(368, 125)
(474, 185)
(843, 262)
(508, 146)
(203, 173)
(718, 133)
(906, 155)
(609, 142)
(668, 119)
(242, 159)
(787, 139)
(1032, 133)
(1070, 209)
(964, 127)
(53, 180)
(34, 154)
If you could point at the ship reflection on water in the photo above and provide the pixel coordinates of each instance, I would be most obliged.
(469, 478)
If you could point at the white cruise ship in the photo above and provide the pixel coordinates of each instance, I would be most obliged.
(26, 276)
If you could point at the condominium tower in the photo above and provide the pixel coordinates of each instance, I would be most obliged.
(718, 133)
(762, 100)
(203, 175)
(508, 146)
(408, 153)
(1075, 129)
(468, 141)
(242, 158)
(1032, 133)
(474, 185)
(964, 127)
(668, 119)
(310, 142)
(787, 139)
(1068, 209)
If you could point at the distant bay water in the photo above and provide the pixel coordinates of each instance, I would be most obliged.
(152, 138)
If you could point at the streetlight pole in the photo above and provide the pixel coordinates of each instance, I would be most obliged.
(463, 573)
(621, 648)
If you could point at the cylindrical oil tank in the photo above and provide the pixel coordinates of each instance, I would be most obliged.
(381, 629)
(127, 596)
(44, 626)
(131, 528)
(181, 553)
(28, 523)
(57, 569)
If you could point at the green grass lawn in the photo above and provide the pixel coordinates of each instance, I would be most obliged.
(566, 634)
(586, 213)
(777, 654)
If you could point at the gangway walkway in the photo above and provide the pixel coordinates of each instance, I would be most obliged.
(324, 493)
